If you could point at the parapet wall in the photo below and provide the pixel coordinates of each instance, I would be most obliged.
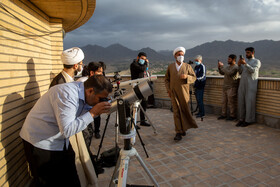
(268, 98)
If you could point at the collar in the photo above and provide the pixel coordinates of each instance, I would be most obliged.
(81, 91)
(67, 77)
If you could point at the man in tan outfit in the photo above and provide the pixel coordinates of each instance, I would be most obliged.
(230, 87)
(178, 77)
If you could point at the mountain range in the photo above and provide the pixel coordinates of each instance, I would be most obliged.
(120, 56)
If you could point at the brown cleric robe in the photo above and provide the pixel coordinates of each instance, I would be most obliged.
(179, 90)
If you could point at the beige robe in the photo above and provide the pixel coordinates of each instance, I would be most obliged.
(179, 90)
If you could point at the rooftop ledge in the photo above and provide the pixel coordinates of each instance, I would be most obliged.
(268, 100)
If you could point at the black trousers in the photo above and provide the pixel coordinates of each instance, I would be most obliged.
(144, 106)
(97, 121)
(51, 168)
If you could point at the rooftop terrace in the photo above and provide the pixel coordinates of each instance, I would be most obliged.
(215, 154)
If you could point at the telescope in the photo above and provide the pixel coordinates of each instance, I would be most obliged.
(136, 81)
(138, 92)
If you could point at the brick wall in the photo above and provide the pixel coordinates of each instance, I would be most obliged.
(30, 48)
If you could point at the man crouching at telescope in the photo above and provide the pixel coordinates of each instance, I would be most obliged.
(178, 77)
(63, 111)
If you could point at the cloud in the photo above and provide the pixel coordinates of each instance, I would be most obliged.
(166, 24)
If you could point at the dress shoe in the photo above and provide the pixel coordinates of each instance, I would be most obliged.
(221, 117)
(145, 124)
(230, 119)
(183, 134)
(245, 124)
(239, 124)
(97, 135)
(178, 137)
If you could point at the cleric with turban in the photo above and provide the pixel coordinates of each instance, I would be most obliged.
(178, 78)
(72, 60)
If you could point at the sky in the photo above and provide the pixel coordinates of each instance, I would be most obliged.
(167, 24)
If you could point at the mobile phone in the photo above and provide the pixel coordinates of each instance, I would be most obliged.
(241, 56)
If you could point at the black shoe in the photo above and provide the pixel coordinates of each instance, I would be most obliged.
(145, 124)
(239, 124)
(97, 135)
(178, 137)
(183, 134)
(137, 127)
(245, 124)
(199, 116)
(221, 117)
(231, 119)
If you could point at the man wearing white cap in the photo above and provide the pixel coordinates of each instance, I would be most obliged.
(178, 77)
(72, 60)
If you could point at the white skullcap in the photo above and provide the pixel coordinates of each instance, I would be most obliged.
(179, 49)
(72, 56)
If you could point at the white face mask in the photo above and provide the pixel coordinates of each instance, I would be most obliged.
(180, 59)
(80, 72)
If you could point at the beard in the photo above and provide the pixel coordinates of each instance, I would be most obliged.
(249, 56)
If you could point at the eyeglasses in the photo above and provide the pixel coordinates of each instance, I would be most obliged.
(81, 64)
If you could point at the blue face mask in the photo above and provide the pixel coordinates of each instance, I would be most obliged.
(197, 63)
(141, 61)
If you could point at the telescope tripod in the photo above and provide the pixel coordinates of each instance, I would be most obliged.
(193, 111)
(119, 176)
(136, 107)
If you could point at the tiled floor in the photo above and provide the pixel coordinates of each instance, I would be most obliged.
(215, 154)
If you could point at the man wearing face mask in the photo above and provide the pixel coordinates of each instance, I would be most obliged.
(200, 72)
(230, 87)
(178, 77)
(72, 60)
(137, 69)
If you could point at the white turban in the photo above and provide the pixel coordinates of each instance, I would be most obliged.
(179, 49)
(72, 56)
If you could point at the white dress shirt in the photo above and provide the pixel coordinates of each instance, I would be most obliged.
(57, 115)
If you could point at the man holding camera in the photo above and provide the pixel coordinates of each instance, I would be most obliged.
(138, 69)
(63, 111)
(248, 87)
(230, 87)
(178, 77)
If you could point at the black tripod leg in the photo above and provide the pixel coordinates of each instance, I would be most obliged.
(191, 105)
(142, 143)
(103, 135)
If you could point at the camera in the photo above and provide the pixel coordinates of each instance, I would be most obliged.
(190, 62)
(103, 99)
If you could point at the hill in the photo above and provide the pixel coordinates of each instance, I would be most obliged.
(118, 57)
